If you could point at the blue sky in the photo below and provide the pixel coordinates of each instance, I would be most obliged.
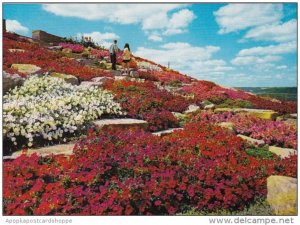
(230, 44)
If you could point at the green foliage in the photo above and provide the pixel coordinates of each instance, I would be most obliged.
(262, 153)
(259, 208)
(230, 103)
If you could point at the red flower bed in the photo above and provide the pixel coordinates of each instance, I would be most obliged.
(131, 172)
(272, 132)
(47, 60)
(146, 101)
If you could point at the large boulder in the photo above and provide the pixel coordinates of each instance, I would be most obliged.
(67, 77)
(166, 132)
(65, 149)
(228, 125)
(122, 123)
(10, 81)
(210, 107)
(282, 195)
(67, 50)
(261, 113)
(192, 109)
(26, 68)
(102, 80)
(251, 141)
(16, 50)
(282, 152)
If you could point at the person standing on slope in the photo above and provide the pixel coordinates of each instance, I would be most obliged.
(113, 50)
(126, 58)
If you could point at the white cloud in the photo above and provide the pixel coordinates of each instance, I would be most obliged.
(282, 67)
(160, 18)
(250, 60)
(117, 13)
(282, 32)
(104, 39)
(155, 37)
(16, 26)
(192, 60)
(235, 17)
(283, 48)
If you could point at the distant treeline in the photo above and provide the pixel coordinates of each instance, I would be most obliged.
(281, 93)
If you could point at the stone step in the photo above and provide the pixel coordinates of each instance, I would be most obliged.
(282, 152)
(282, 195)
(65, 149)
(122, 123)
(166, 132)
(260, 113)
(252, 141)
(192, 109)
(26, 68)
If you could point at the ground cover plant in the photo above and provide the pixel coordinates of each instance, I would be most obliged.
(48, 108)
(157, 105)
(132, 172)
(272, 132)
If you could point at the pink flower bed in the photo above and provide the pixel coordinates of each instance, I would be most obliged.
(272, 132)
(76, 48)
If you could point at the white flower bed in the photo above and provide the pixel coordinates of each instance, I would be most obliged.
(49, 107)
(148, 66)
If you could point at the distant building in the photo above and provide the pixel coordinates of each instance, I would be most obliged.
(45, 37)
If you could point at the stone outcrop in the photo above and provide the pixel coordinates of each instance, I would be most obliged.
(10, 81)
(191, 109)
(282, 152)
(26, 68)
(282, 195)
(67, 77)
(65, 149)
(122, 123)
(166, 132)
(209, 107)
(16, 50)
(228, 125)
(252, 141)
(260, 113)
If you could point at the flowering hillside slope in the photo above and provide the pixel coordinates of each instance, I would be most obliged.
(201, 166)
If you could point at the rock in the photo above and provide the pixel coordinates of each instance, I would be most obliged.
(166, 132)
(227, 125)
(116, 72)
(209, 107)
(134, 73)
(67, 50)
(120, 77)
(91, 84)
(282, 195)
(26, 68)
(103, 64)
(137, 80)
(291, 121)
(293, 115)
(10, 81)
(102, 79)
(191, 109)
(224, 110)
(252, 141)
(55, 47)
(16, 50)
(122, 123)
(65, 149)
(282, 152)
(67, 77)
(260, 113)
